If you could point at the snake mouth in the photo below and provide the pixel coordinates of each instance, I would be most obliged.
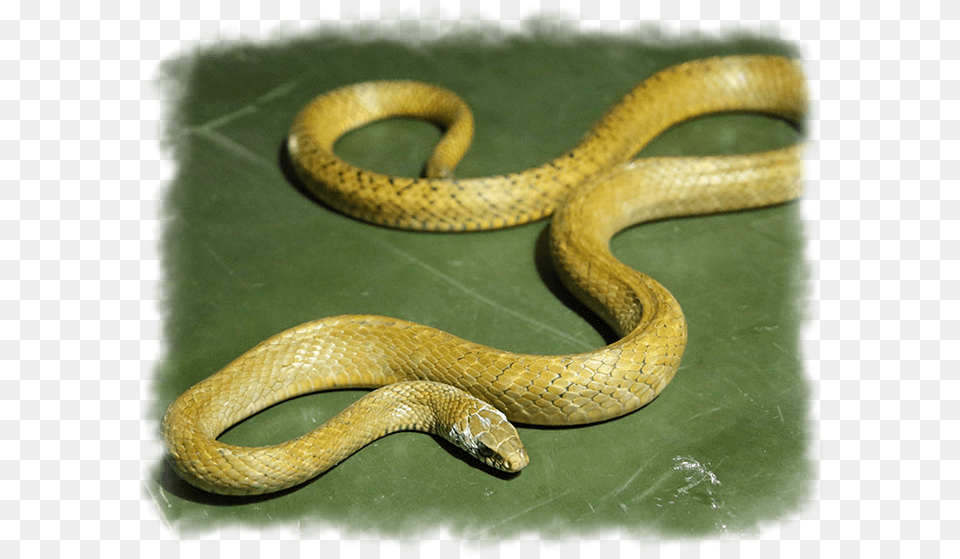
(511, 462)
(516, 463)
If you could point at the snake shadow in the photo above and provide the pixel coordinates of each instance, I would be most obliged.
(548, 275)
(542, 260)
(170, 481)
(285, 163)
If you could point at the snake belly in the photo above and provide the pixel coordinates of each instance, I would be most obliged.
(429, 380)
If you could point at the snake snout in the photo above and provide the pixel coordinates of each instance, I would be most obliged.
(516, 461)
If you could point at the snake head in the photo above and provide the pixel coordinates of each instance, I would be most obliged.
(486, 434)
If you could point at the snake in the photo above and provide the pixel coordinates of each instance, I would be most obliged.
(425, 379)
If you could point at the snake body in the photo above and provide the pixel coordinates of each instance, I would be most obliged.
(430, 380)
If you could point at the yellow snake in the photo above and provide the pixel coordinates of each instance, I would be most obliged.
(429, 380)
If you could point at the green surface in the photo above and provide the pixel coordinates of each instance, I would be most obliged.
(247, 255)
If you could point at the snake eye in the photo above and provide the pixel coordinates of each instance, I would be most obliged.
(484, 451)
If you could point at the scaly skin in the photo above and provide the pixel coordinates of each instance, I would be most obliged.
(436, 382)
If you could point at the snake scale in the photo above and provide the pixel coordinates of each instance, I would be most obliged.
(433, 381)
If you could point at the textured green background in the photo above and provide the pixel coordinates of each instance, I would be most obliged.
(247, 254)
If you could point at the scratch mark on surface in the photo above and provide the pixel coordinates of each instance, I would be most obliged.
(209, 129)
(216, 258)
(526, 510)
(217, 122)
(613, 494)
(163, 495)
(740, 390)
(156, 491)
(476, 295)
(705, 412)
(784, 350)
(278, 91)
(652, 487)
(237, 149)
(250, 108)
(219, 260)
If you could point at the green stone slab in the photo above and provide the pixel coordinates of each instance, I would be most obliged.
(247, 254)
